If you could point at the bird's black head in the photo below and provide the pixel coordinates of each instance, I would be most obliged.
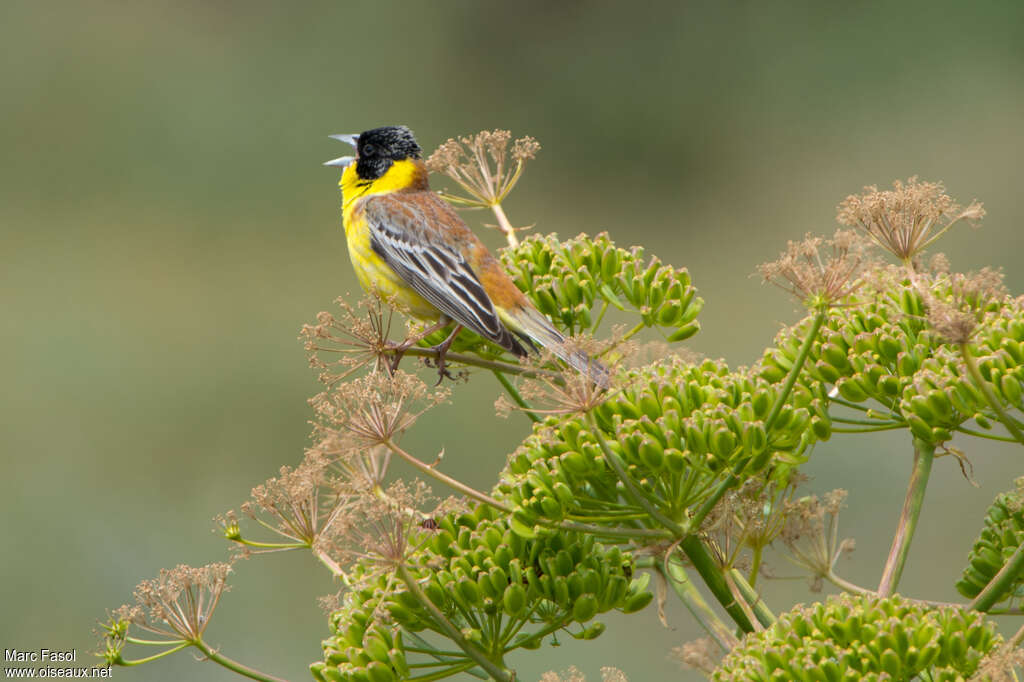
(377, 149)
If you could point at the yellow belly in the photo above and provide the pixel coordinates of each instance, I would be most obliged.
(375, 276)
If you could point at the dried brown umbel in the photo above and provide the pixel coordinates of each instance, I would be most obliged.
(819, 272)
(484, 167)
(700, 654)
(179, 603)
(341, 344)
(374, 409)
(573, 674)
(956, 318)
(906, 219)
(811, 534)
(379, 530)
(292, 505)
(562, 392)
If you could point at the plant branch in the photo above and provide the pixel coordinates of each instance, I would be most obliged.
(505, 225)
(632, 492)
(484, 363)
(712, 576)
(233, 665)
(688, 593)
(763, 614)
(515, 395)
(1001, 582)
(451, 631)
(924, 453)
(990, 398)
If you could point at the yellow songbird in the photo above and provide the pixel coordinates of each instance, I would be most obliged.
(409, 247)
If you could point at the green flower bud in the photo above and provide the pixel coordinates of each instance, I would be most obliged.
(585, 608)
(514, 600)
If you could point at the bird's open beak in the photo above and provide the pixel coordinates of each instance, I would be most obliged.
(343, 161)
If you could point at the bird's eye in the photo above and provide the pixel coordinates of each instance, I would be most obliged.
(369, 150)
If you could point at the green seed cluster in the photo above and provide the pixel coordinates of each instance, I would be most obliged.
(363, 648)
(678, 429)
(500, 590)
(863, 638)
(566, 279)
(883, 348)
(1000, 537)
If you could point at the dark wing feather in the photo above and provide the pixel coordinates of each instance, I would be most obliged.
(399, 234)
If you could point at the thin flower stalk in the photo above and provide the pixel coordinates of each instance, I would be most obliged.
(924, 453)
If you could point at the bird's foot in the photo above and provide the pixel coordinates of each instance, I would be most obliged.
(441, 362)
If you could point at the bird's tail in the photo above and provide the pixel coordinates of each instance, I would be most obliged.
(532, 324)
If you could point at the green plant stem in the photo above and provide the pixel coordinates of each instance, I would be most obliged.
(235, 666)
(869, 429)
(982, 434)
(794, 371)
(446, 672)
(924, 453)
(477, 361)
(761, 611)
(676, 575)
(515, 395)
(156, 642)
(1001, 582)
(755, 564)
(632, 492)
(712, 576)
(990, 398)
(867, 422)
(543, 632)
(149, 659)
(493, 669)
(611, 531)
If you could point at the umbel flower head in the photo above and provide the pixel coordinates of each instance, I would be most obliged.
(818, 277)
(481, 166)
(178, 604)
(955, 318)
(811, 534)
(374, 409)
(908, 218)
(339, 345)
(293, 505)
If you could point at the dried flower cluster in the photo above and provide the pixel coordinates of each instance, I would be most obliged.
(374, 409)
(573, 674)
(908, 218)
(481, 165)
(818, 279)
(956, 319)
(179, 603)
(340, 345)
(701, 654)
(811, 534)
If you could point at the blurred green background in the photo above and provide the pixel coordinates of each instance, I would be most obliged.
(166, 227)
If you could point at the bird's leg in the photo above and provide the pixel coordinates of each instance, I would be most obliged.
(400, 348)
(442, 351)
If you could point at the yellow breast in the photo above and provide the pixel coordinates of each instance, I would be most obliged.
(374, 274)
